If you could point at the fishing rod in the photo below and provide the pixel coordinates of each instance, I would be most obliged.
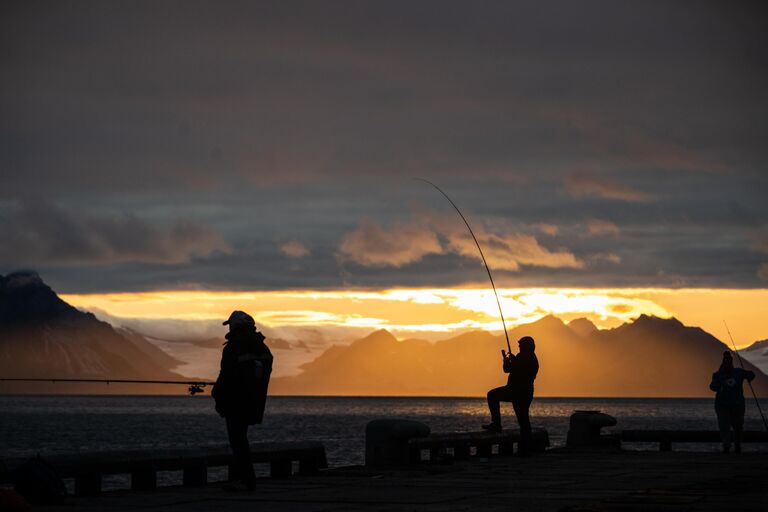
(487, 268)
(194, 386)
(741, 362)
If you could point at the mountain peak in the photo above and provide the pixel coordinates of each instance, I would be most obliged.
(549, 320)
(758, 345)
(582, 326)
(381, 336)
(22, 279)
(656, 321)
(25, 299)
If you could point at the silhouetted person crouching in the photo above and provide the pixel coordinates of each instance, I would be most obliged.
(240, 391)
(727, 382)
(522, 369)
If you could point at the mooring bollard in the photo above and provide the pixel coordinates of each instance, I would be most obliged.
(584, 429)
(386, 441)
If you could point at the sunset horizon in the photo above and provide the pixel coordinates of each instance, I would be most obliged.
(577, 331)
(383, 255)
(470, 307)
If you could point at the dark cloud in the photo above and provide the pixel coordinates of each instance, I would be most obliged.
(279, 126)
(40, 233)
(579, 185)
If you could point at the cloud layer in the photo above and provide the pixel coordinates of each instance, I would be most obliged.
(43, 234)
(372, 245)
(242, 145)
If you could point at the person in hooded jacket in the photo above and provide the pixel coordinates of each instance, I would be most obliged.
(240, 391)
(522, 369)
(728, 382)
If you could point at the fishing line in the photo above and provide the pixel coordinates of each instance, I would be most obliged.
(757, 402)
(487, 268)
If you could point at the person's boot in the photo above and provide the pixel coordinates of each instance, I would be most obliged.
(737, 448)
(492, 427)
(726, 447)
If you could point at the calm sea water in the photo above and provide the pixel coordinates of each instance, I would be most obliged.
(70, 424)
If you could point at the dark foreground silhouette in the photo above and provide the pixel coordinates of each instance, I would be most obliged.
(522, 369)
(728, 382)
(240, 391)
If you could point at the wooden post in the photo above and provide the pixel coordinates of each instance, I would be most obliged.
(232, 472)
(143, 476)
(461, 451)
(195, 472)
(507, 447)
(309, 466)
(280, 468)
(88, 483)
(484, 449)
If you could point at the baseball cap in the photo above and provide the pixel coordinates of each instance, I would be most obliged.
(239, 318)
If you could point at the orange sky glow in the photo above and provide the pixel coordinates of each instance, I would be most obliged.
(438, 313)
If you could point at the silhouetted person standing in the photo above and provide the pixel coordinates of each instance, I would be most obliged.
(522, 369)
(727, 382)
(241, 391)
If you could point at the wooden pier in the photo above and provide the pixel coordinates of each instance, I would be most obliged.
(559, 480)
(481, 473)
(142, 465)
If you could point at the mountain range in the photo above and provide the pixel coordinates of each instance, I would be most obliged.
(648, 357)
(41, 336)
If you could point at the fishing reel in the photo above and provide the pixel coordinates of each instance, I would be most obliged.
(196, 388)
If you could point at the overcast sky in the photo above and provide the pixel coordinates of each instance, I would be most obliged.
(272, 145)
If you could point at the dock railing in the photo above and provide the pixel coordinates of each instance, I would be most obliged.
(463, 445)
(142, 465)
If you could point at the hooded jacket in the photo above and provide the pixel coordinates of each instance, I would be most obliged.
(728, 385)
(522, 370)
(246, 366)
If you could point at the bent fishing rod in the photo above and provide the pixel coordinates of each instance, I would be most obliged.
(741, 363)
(194, 386)
(482, 256)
